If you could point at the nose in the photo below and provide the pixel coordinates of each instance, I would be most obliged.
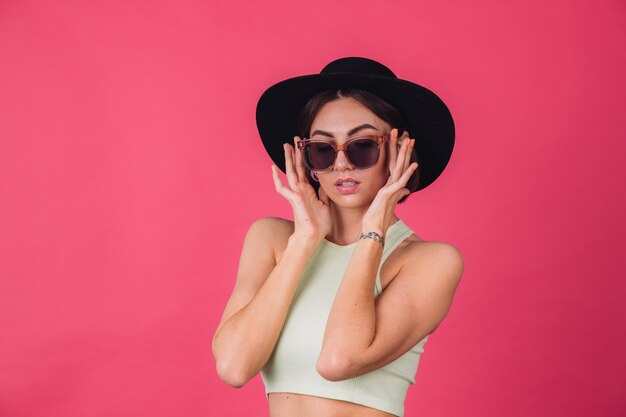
(341, 161)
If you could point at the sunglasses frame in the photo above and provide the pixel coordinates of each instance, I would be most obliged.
(342, 147)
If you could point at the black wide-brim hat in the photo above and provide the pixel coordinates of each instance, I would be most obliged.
(426, 116)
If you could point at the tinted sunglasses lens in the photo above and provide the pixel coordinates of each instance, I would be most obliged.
(319, 155)
(363, 153)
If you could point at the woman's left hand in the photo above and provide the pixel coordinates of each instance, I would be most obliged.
(380, 212)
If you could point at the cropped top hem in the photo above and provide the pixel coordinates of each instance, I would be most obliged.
(341, 394)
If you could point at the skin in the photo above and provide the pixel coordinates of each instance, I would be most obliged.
(348, 211)
(362, 333)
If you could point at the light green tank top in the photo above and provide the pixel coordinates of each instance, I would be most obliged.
(291, 367)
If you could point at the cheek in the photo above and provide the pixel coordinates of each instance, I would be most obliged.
(379, 177)
(384, 166)
(383, 159)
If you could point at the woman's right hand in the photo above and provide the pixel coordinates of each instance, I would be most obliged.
(311, 214)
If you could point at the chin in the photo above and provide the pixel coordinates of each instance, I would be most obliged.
(357, 199)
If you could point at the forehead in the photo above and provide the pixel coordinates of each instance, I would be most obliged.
(338, 117)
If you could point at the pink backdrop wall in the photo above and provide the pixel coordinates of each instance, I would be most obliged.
(121, 221)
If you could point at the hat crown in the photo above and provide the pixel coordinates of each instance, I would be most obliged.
(358, 65)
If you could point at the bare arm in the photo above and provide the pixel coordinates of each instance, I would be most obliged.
(363, 334)
(256, 311)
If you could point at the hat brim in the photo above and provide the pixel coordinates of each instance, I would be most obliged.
(427, 117)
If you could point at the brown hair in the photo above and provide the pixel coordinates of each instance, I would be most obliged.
(377, 105)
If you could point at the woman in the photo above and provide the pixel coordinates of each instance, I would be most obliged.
(334, 308)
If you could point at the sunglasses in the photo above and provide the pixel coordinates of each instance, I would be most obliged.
(362, 152)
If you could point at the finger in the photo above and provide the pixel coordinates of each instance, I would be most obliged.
(280, 188)
(393, 149)
(409, 152)
(402, 161)
(290, 170)
(403, 192)
(398, 189)
(407, 174)
(402, 138)
(399, 167)
(300, 169)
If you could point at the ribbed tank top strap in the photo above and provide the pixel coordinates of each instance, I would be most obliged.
(396, 234)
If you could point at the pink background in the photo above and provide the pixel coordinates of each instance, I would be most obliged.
(121, 221)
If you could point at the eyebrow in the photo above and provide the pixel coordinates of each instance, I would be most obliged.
(350, 132)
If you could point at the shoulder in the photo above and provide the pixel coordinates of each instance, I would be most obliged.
(443, 250)
(424, 258)
(274, 224)
(275, 231)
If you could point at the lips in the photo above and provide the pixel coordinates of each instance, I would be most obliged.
(340, 180)
(348, 189)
